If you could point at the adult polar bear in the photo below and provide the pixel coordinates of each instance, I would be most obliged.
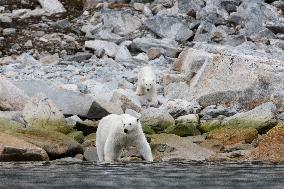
(146, 84)
(116, 132)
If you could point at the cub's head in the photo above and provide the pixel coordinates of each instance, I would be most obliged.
(149, 84)
(129, 123)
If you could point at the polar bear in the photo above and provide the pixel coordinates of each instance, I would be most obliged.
(146, 84)
(116, 132)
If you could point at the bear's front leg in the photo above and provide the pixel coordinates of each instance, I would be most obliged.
(143, 147)
(109, 151)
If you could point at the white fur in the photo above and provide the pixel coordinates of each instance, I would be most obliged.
(111, 138)
(147, 84)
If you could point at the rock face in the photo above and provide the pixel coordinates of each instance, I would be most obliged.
(229, 78)
(271, 146)
(11, 97)
(168, 147)
(15, 149)
(261, 118)
(40, 112)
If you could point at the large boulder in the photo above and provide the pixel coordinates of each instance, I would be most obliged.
(168, 147)
(228, 136)
(121, 22)
(271, 145)
(52, 6)
(157, 119)
(57, 145)
(41, 112)
(127, 99)
(166, 46)
(169, 27)
(231, 77)
(70, 102)
(185, 126)
(16, 149)
(261, 118)
(11, 97)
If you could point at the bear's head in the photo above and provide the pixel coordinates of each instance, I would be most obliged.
(129, 123)
(149, 84)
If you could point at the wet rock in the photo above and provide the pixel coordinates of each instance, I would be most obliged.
(168, 147)
(121, 22)
(166, 47)
(271, 146)
(41, 112)
(156, 118)
(179, 107)
(16, 149)
(232, 135)
(110, 48)
(52, 6)
(90, 154)
(261, 118)
(127, 99)
(185, 126)
(57, 145)
(11, 97)
(212, 144)
(169, 27)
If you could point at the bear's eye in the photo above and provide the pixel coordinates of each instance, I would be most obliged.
(129, 123)
(124, 124)
(150, 84)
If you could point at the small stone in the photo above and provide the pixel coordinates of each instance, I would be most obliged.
(52, 6)
(49, 59)
(9, 31)
(90, 154)
(153, 53)
(28, 43)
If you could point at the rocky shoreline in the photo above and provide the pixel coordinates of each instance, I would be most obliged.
(220, 69)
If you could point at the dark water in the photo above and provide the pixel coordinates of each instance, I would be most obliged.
(200, 175)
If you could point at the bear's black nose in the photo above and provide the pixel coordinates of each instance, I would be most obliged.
(148, 89)
(125, 130)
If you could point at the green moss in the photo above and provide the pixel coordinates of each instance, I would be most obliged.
(77, 135)
(148, 130)
(262, 126)
(183, 129)
(9, 126)
(210, 125)
(52, 125)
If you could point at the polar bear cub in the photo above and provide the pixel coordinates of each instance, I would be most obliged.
(116, 132)
(147, 84)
